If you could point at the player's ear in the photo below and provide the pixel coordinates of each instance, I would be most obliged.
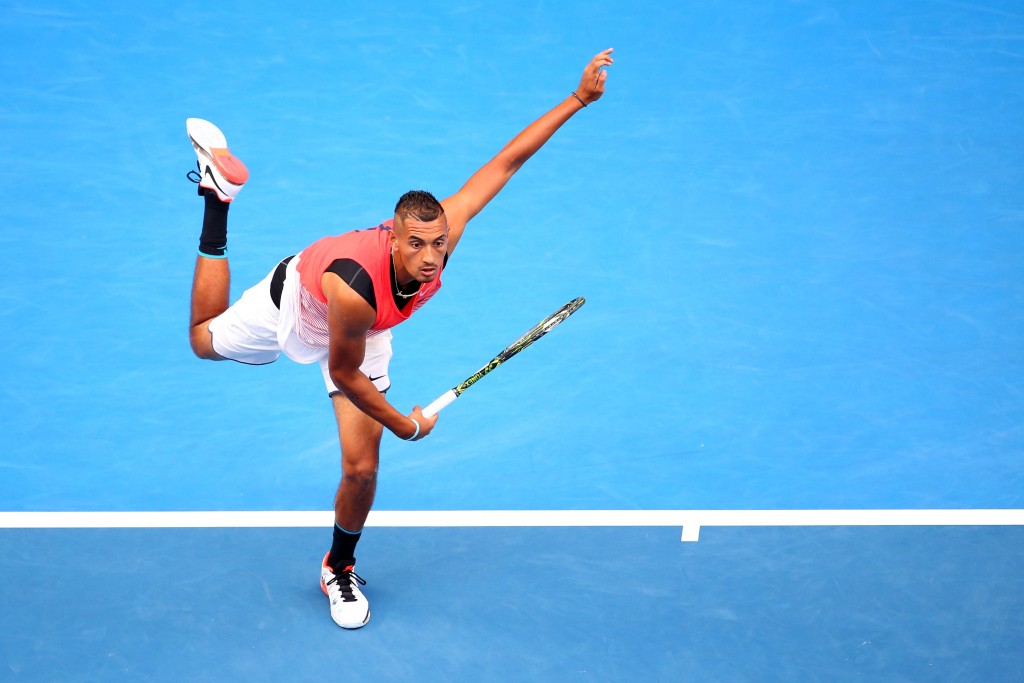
(394, 235)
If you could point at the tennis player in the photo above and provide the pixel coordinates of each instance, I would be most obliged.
(335, 302)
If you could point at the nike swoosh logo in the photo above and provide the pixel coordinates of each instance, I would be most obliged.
(214, 180)
(374, 379)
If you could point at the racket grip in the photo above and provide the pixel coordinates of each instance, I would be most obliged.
(440, 403)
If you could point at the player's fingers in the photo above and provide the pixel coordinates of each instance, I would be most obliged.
(428, 421)
(600, 60)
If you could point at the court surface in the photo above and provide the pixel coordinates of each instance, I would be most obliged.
(781, 442)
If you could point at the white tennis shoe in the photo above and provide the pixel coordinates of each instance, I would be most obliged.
(219, 169)
(349, 607)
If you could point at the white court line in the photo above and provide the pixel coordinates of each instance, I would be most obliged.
(691, 521)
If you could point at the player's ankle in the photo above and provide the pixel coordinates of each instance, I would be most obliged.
(213, 242)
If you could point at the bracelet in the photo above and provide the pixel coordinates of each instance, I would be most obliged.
(416, 433)
(578, 98)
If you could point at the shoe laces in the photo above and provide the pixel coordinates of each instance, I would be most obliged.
(343, 580)
(194, 175)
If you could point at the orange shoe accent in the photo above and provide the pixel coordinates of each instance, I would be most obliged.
(323, 586)
(230, 166)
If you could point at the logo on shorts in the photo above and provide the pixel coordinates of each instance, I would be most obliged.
(374, 379)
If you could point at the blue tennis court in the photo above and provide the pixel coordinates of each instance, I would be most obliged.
(799, 228)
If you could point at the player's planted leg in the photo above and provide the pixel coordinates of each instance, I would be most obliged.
(360, 437)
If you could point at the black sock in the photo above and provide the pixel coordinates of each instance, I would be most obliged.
(213, 241)
(343, 548)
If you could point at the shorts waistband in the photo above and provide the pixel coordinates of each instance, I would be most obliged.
(277, 282)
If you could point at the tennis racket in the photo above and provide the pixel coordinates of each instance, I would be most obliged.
(538, 331)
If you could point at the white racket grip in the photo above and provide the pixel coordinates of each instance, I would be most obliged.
(439, 404)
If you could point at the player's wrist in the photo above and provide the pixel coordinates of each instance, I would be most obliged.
(415, 433)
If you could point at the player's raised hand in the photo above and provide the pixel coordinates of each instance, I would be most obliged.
(592, 83)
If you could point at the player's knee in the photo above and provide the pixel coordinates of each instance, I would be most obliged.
(202, 343)
(197, 349)
(200, 350)
(361, 473)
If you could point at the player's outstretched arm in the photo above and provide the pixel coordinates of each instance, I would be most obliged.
(483, 185)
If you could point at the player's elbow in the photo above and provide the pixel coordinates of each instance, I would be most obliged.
(509, 161)
(339, 382)
(344, 380)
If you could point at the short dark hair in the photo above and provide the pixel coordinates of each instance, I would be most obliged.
(419, 205)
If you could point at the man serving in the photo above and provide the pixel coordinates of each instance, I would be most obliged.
(335, 303)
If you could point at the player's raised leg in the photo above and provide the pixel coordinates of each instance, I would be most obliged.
(220, 177)
(211, 285)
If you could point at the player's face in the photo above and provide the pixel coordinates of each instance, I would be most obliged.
(419, 247)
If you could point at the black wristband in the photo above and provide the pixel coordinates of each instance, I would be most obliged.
(578, 98)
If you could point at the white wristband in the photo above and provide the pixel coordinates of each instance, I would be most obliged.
(417, 433)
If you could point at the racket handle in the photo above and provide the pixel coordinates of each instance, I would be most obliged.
(440, 403)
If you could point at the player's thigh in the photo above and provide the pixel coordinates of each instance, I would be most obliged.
(247, 331)
(360, 437)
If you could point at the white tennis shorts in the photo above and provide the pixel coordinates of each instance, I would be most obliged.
(254, 331)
